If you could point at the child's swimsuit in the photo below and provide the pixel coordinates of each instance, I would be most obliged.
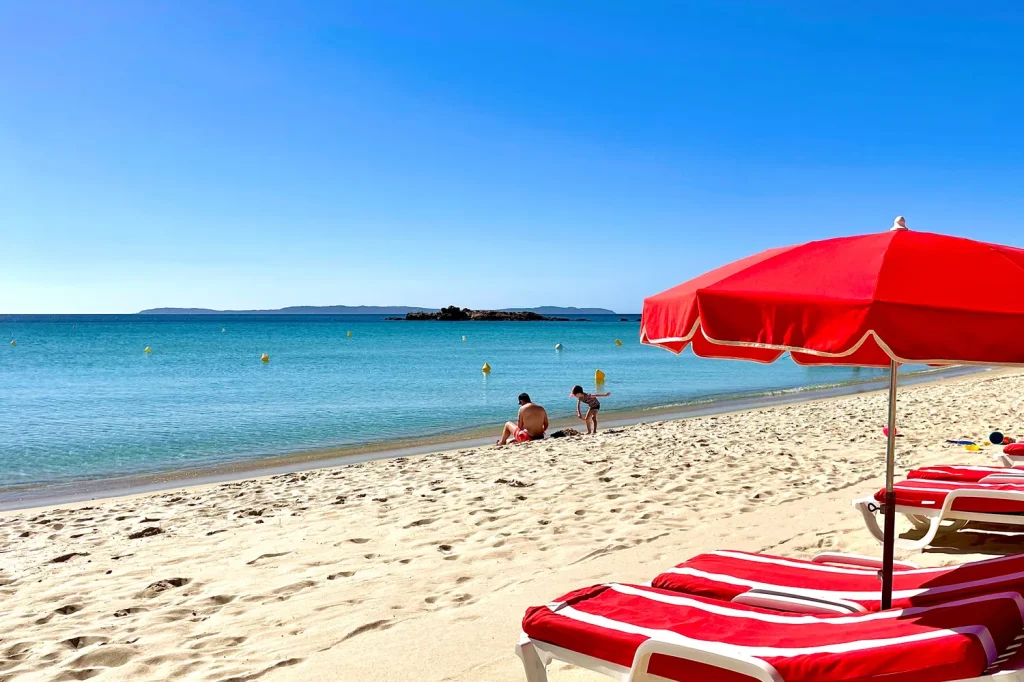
(591, 402)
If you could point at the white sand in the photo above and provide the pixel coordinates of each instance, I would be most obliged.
(421, 568)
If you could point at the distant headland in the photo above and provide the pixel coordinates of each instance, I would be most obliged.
(370, 310)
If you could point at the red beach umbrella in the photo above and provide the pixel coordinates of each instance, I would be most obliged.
(875, 300)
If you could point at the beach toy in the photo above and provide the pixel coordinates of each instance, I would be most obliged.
(960, 442)
(463, 339)
(996, 438)
(1007, 441)
(147, 349)
(264, 358)
(885, 431)
(598, 377)
(558, 346)
(486, 369)
(348, 334)
(618, 343)
(972, 448)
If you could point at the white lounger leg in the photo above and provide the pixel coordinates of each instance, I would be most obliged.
(864, 507)
(934, 525)
(536, 671)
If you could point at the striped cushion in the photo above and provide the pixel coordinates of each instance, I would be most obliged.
(965, 473)
(937, 643)
(726, 574)
(927, 494)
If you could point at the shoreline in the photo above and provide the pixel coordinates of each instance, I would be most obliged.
(90, 489)
(351, 572)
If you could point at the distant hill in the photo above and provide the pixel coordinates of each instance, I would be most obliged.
(557, 310)
(296, 310)
(365, 310)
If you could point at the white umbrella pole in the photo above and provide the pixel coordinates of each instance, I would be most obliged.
(889, 544)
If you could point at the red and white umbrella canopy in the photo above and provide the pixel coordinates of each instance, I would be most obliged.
(904, 296)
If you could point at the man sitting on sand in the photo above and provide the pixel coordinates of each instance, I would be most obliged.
(533, 422)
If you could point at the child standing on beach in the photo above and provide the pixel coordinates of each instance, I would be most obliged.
(593, 405)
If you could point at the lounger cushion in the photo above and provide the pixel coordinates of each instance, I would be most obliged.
(963, 472)
(1016, 449)
(726, 574)
(927, 494)
(937, 643)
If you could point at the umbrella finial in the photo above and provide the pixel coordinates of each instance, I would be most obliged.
(899, 223)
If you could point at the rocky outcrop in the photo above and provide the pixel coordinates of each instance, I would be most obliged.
(456, 314)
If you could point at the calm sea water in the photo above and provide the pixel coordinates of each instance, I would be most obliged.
(80, 398)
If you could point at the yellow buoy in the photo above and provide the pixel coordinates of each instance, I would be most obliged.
(598, 377)
(222, 330)
(618, 343)
(349, 335)
(486, 369)
(147, 349)
(264, 358)
(13, 342)
(558, 346)
(463, 339)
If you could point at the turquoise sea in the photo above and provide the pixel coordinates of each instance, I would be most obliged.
(79, 397)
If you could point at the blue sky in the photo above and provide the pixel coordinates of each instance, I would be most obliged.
(488, 154)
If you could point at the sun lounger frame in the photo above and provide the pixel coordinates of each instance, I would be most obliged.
(1008, 460)
(930, 519)
(536, 656)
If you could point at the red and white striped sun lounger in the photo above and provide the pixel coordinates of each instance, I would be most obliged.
(822, 588)
(929, 503)
(965, 473)
(634, 633)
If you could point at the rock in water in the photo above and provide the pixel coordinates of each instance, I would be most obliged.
(456, 314)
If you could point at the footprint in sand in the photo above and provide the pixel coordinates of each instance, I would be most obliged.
(265, 556)
(375, 625)
(83, 641)
(162, 586)
(103, 657)
(289, 590)
(63, 558)
(68, 610)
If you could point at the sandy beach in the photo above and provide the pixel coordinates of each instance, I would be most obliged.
(420, 568)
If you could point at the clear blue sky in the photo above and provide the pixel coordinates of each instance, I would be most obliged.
(488, 154)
